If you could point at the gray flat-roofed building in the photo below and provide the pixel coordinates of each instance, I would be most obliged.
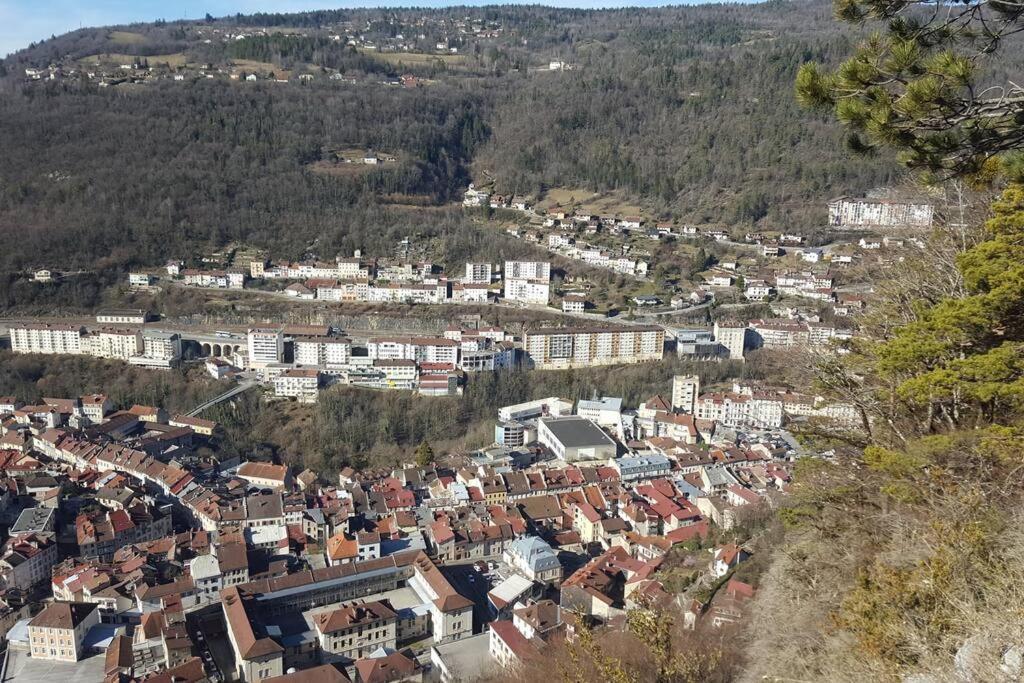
(35, 521)
(575, 438)
(468, 658)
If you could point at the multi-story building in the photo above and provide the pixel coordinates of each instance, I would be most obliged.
(266, 347)
(847, 212)
(26, 561)
(343, 290)
(101, 534)
(527, 291)
(57, 633)
(574, 303)
(113, 343)
(302, 384)
(478, 273)
(159, 350)
(44, 338)
(527, 270)
(408, 292)
(733, 338)
(741, 410)
(641, 467)
(122, 316)
(265, 475)
(353, 631)
(780, 333)
(419, 349)
(534, 559)
(685, 390)
(95, 407)
(470, 293)
(398, 373)
(322, 351)
(560, 348)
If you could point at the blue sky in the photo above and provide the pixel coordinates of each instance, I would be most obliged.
(26, 21)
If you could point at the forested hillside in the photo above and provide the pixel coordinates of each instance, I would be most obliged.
(687, 111)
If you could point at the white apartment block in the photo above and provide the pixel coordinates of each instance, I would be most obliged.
(528, 291)
(398, 373)
(478, 273)
(733, 338)
(527, 270)
(685, 390)
(470, 293)
(560, 348)
(408, 292)
(322, 352)
(46, 339)
(266, 347)
(159, 350)
(113, 343)
(419, 349)
(741, 410)
(847, 212)
(298, 383)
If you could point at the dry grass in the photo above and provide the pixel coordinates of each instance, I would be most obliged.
(586, 201)
(416, 58)
(117, 58)
(126, 38)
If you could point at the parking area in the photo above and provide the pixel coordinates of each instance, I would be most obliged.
(209, 633)
(473, 585)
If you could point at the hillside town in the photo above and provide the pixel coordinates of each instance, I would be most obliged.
(136, 554)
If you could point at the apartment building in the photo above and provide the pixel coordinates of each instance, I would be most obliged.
(741, 410)
(527, 291)
(399, 373)
(685, 390)
(733, 338)
(322, 352)
(46, 338)
(159, 350)
(470, 293)
(101, 534)
(302, 384)
(343, 290)
(527, 270)
(113, 343)
(848, 212)
(26, 561)
(419, 349)
(408, 292)
(560, 348)
(478, 273)
(266, 347)
(57, 632)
